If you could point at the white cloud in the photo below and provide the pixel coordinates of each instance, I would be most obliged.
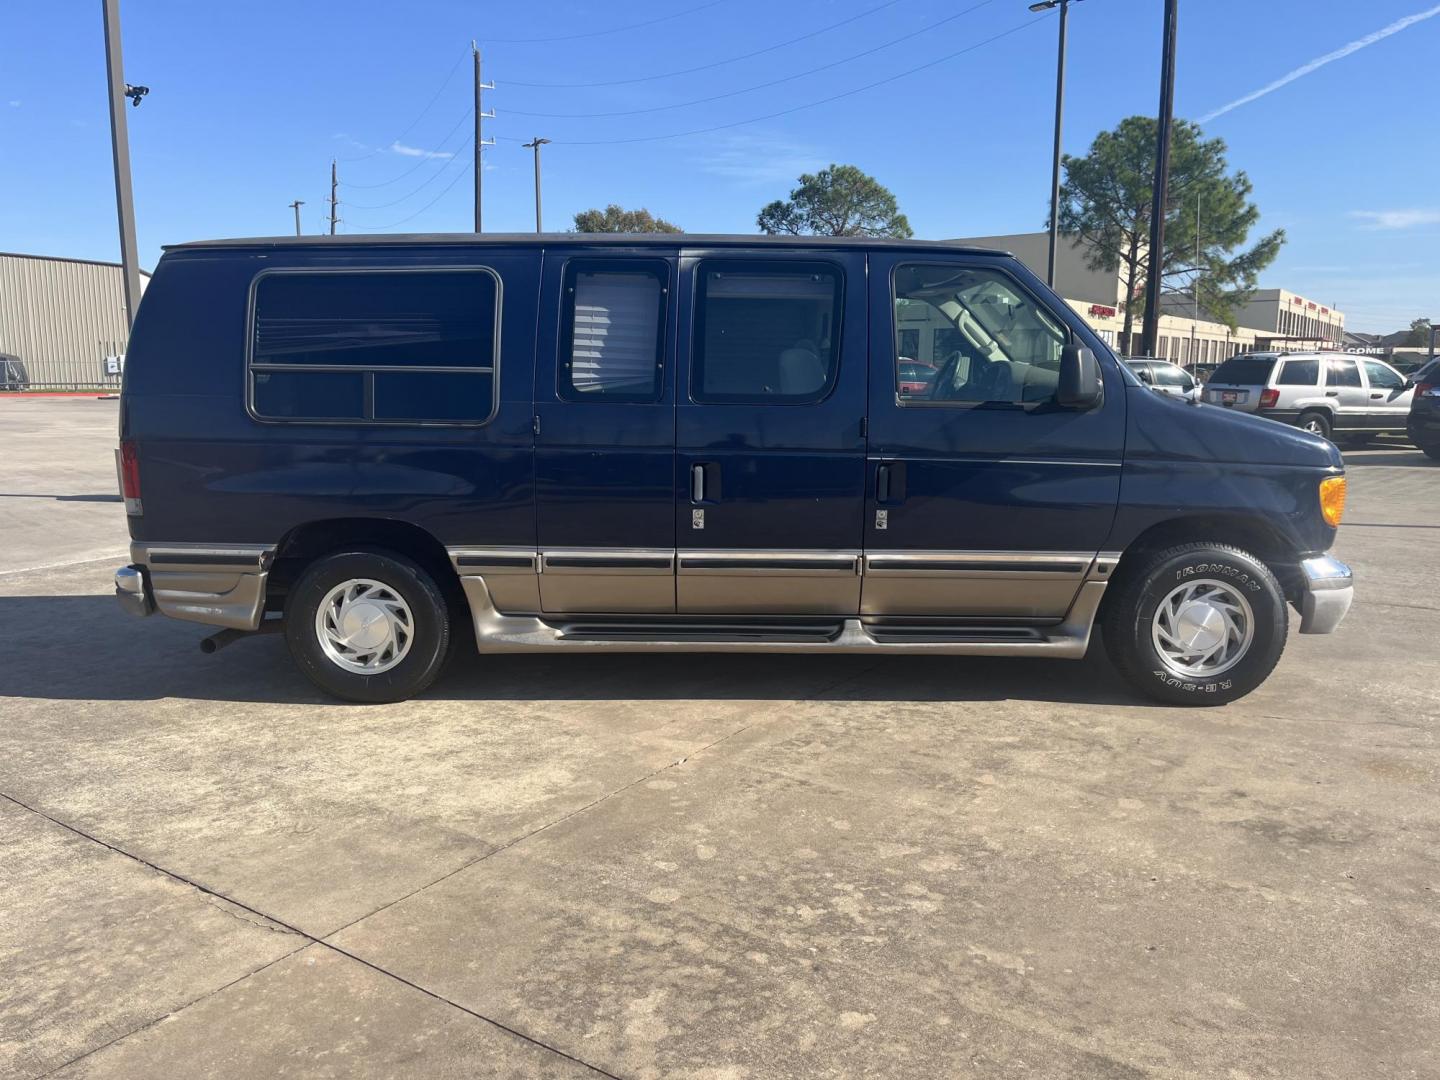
(1397, 219)
(415, 151)
(14, 104)
(756, 160)
(1320, 61)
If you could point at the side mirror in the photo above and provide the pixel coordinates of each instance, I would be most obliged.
(1081, 386)
(1146, 376)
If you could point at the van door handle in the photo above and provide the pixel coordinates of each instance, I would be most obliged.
(1380, 395)
(882, 484)
(697, 483)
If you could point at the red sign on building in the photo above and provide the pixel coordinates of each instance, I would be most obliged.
(1101, 309)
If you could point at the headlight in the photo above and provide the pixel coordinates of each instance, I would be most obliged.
(1332, 500)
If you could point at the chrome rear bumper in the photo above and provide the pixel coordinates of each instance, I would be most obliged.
(1328, 589)
(218, 586)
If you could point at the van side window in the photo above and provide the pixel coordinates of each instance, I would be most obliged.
(1299, 373)
(982, 338)
(766, 333)
(614, 326)
(383, 346)
(1343, 373)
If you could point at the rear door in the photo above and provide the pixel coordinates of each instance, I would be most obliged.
(1389, 399)
(770, 457)
(1345, 389)
(605, 446)
(985, 498)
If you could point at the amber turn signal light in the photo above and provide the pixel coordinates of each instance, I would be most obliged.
(1332, 500)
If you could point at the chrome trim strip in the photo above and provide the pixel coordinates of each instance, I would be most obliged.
(498, 560)
(642, 562)
(497, 633)
(1104, 565)
(1026, 564)
(230, 556)
(746, 563)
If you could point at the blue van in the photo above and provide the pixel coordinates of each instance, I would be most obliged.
(697, 443)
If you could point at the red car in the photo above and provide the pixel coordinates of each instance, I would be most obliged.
(913, 377)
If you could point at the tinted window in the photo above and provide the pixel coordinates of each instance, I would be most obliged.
(1343, 373)
(1244, 371)
(389, 346)
(1381, 377)
(1299, 373)
(766, 333)
(614, 318)
(989, 342)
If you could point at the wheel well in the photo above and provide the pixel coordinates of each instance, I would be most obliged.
(1254, 535)
(303, 544)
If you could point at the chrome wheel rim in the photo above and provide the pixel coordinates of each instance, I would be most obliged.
(1202, 628)
(364, 626)
(1313, 427)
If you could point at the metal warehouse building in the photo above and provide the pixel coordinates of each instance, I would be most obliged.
(62, 317)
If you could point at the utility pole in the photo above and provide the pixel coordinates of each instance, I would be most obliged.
(333, 185)
(120, 150)
(1156, 254)
(480, 142)
(1195, 282)
(1064, 6)
(535, 145)
(296, 207)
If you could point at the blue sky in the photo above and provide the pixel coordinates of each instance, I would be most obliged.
(250, 101)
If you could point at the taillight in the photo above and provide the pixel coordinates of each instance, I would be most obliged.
(127, 460)
(1269, 398)
(1427, 389)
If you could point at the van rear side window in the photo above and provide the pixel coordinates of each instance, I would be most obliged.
(374, 346)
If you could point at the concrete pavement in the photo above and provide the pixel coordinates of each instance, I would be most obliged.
(707, 866)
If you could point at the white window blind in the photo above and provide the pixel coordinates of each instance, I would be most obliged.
(617, 320)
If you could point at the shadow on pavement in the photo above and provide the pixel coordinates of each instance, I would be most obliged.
(1388, 457)
(86, 648)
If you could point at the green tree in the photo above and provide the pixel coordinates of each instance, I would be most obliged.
(616, 219)
(838, 201)
(1106, 197)
(1419, 333)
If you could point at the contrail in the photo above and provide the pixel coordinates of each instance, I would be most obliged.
(1319, 62)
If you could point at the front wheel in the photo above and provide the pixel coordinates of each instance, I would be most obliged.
(1197, 624)
(368, 626)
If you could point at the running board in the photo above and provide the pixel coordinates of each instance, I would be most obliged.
(497, 633)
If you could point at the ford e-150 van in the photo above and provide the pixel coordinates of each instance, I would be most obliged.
(703, 443)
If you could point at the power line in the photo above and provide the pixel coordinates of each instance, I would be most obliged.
(765, 85)
(714, 64)
(420, 116)
(610, 30)
(458, 177)
(425, 159)
(797, 108)
(418, 188)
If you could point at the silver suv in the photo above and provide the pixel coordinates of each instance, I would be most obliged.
(1339, 396)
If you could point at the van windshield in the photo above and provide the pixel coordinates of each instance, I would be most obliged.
(1244, 371)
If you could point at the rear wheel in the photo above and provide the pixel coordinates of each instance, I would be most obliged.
(368, 626)
(1430, 450)
(1197, 624)
(1317, 423)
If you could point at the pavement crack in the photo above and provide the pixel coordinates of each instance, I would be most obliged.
(309, 938)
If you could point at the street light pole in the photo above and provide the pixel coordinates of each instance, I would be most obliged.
(535, 145)
(1155, 257)
(1064, 6)
(296, 207)
(120, 150)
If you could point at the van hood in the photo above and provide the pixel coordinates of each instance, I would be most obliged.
(1169, 428)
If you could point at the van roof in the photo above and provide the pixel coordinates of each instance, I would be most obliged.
(562, 239)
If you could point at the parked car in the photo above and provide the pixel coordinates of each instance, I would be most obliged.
(692, 443)
(13, 375)
(1423, 425)
(1165, 378)
(1335, 395)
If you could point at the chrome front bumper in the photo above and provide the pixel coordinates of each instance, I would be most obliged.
(133, 592)
(1328, 589)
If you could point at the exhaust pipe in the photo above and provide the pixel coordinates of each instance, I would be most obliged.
(221, 638)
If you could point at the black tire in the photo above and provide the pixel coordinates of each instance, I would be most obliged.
(1316, 422)
(1430, 450)
(1129, 615)
(428, 641)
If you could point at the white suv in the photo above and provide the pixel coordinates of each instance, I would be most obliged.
(1337, 395)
